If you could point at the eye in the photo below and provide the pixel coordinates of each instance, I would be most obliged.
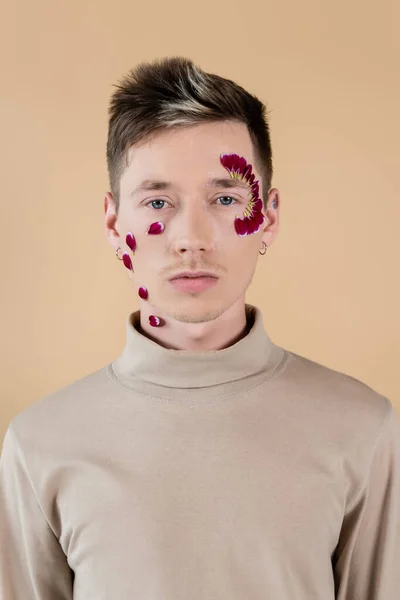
(227, 198)
(152, 202)
(156, 207)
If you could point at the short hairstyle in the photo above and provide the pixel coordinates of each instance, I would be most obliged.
(174, 92)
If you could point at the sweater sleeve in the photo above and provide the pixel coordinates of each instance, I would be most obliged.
(367, 558)
(32, 562)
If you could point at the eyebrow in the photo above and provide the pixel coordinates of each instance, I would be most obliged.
(157, 184)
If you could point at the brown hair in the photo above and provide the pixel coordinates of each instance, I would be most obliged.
(174, 92)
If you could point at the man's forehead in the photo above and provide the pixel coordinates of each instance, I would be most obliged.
(160, 164)
(205, 142)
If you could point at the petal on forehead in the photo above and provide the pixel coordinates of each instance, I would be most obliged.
(247, 172)
(233, 162)
(242, 164)
(237, 165)
(227, 160)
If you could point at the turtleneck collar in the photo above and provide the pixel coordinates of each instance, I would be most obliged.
(145, 360)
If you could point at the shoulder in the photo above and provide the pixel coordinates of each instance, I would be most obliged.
(340, 396)
(64, 407)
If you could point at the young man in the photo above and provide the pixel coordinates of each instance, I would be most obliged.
(205, 462)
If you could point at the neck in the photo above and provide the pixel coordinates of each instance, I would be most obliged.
(147, 366)
(206, 330)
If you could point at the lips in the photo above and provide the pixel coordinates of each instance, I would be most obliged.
(193, 284)
(193, 275)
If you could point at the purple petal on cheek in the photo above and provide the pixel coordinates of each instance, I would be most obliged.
(143, 293)
(258, 205)
(155, 228)
(259, 218)
(240, 226)
(127, 261)
(251, 226)
(130, 241)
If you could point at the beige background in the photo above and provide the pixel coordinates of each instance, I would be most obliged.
(329, 72)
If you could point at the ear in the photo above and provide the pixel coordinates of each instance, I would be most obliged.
(111, 219)
(271, 227)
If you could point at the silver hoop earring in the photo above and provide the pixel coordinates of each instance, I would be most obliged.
(265, 249)
(119, 258)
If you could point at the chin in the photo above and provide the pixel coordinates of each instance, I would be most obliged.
(192, 310)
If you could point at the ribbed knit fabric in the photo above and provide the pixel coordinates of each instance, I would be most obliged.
(248, 473)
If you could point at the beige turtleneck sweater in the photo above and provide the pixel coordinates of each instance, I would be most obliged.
(248, 473)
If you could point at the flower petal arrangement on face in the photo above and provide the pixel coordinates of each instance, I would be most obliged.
(253, 216)
(155, 228)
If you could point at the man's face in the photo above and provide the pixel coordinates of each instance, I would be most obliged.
(198, 219)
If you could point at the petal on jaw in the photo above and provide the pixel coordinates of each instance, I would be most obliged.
(143, 293)
(154, 321)
(127, 261)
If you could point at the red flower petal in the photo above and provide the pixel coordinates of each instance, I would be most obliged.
(252, 226)
(242, 164)
(258, 205)
(249, 225)
(241, 226)
(154, 321)
(259, 217)
(255, 189)
(155, 228)
(257, 221)
(130, 241)
(234, 163)
(127, 261)
(143, 293)
(247, 172)
(229, 161)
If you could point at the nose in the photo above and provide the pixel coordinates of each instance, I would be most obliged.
(193, 231)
